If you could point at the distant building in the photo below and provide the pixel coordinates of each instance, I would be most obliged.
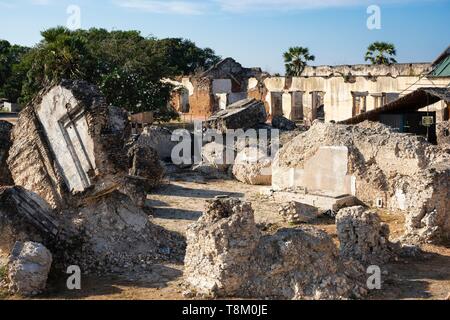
(426, 112)
(9, 107)
(331, 93)
(441, 66)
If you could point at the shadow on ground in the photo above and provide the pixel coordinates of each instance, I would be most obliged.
(157, 277)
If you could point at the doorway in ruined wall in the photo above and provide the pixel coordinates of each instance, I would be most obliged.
(359, 103)
(317, 105)
(297, 106)
(276, 102)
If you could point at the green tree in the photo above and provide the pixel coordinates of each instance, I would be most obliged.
(11, 75)
(296, 59)
(126, 66)
(381, 53)
(183, 57)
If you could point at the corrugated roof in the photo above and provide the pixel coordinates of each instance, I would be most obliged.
(411, 102)
(442, 69)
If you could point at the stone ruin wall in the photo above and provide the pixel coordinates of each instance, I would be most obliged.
(405, 172)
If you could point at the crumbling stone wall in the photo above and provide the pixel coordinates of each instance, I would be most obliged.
(362, 236)
(5, 144)
(69, 142)
(201, 102)
(228, 256)
(403, 172)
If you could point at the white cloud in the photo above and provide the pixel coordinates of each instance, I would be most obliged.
(240, 6)
(170, 7)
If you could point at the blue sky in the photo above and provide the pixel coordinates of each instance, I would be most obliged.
(254, 32)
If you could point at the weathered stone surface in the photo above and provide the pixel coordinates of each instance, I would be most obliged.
(28, 268)
(220, 246)
(216, 155)
(252, 166)
(145, 163)
(282, 123)
(362, 236)
(443, 134)
(5, 144)
(66, 141)
(115, 235)
(228, 256)
(159, 139)
(244, 114)
(24, 216)
(296, 212)
(403, 172)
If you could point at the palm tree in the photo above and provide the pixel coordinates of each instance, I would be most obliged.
(296, 59)
(381, 53)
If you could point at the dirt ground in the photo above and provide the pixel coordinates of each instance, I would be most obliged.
(181, 201)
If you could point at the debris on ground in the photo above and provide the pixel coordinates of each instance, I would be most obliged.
(116, 235)
(228, 256)
(295, 212)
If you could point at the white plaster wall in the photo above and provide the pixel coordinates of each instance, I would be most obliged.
(50, 111)
(338, 98)
(325, 173)
(188, 85)
(252, 83)
(222, 98)
(287, 105)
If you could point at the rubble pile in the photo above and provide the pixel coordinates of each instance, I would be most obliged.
(228, 256)
(5, 144)
(115, 235)
(81, 183)
(362, 236)
(295, 212)
(398, 171)
(28, 268)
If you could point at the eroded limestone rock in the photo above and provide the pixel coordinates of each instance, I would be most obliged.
(253, 166)
(379, 166)
(228, 256)
(159, 139)
(363, 236)
(114, 235)
(296, 212)
(28, 268)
